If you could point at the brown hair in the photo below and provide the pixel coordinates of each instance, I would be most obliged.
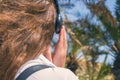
(26, 28)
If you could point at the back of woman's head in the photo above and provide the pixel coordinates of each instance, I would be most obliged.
(26, 28)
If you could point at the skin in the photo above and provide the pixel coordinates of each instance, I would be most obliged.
(59, 56)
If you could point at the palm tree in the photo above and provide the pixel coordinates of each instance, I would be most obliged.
(116, 68)
(88, 34)
(113, 28)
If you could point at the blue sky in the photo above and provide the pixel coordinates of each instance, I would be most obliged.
(80, 10)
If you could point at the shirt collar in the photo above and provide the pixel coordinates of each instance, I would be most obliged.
(45, 60)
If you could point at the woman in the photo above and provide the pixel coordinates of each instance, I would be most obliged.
(26, 30)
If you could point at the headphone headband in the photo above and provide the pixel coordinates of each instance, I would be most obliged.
(59, 20)
(56, 6)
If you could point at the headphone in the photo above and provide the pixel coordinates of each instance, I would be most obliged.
(59, 20)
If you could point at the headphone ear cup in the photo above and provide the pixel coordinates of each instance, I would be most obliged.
(58, 24)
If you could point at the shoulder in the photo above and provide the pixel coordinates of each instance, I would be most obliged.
(56, 73)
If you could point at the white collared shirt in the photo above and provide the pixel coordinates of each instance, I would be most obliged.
(55, 73)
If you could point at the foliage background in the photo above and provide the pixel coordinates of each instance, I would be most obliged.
(93, 31)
